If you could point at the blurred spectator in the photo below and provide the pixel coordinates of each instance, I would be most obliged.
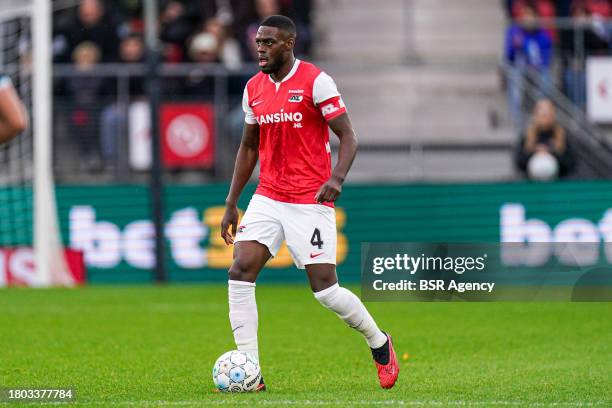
(213, 44)
(528, 48)
(130, 9)
(204, 48)
(90, 23)
(588, 35)
(178, 20)
(263, 9)
(299, 10)
(545, 9)
(82, 100)
(132, 51)
(562, 7)
(544, 152)
(600, 8)
(113, 120)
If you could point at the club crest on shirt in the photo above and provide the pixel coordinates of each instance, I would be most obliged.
(296, 98)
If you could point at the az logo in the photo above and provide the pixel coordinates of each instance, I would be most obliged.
(296, 98)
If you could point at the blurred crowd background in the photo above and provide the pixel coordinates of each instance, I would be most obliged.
(452, 91)
(551, 41)
(191, 31)
(96, 33)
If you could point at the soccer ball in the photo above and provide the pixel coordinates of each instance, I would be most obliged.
(542, 166)
(236, 371)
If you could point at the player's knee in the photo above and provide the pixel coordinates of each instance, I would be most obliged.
(242, 271)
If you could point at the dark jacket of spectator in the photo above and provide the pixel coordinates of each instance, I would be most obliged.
(90, 22)
(595, 38)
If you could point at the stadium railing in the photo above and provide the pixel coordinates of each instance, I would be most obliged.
(590, 143)
(566, 88)
(95, 110)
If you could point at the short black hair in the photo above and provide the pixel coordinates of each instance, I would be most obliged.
(281, 22)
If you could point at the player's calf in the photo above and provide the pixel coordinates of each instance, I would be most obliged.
(351, 310)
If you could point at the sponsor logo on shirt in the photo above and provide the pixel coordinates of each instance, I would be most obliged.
(329, 109)
(296, 91)
(279, 117)
(296, 98)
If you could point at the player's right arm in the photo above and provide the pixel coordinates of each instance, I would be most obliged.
(13, 118)
(248, 153)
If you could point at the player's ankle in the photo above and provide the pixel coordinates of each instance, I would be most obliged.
(382, 354)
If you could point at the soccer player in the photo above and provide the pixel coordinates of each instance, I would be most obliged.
(13, 119)
(288, 108)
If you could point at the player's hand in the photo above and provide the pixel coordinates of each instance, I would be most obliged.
(230, 218)
(329, 191)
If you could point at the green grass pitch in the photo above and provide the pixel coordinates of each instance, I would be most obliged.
(155, 346)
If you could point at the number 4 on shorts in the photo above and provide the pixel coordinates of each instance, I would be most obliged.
(315, 240)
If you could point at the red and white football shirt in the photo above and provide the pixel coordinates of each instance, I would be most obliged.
(294, 151)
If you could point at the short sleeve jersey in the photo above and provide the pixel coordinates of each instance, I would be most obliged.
(294, 151)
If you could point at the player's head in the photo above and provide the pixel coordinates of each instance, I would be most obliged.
(275, 41)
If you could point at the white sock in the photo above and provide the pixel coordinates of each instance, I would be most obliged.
(349, 308)
(243, 315)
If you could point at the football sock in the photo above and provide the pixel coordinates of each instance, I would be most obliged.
(243, 315)
(349, 308)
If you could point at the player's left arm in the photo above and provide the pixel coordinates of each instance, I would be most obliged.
(343, 128)
(13, 118)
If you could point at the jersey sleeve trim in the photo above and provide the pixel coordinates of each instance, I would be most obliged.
(5, 81)
(249, 115)
(323, 88)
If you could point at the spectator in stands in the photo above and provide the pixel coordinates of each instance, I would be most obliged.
(178, 21)
(595, 41)
(544, 150)
(113, 120)
(83, 99)
(563, 8)
(263, 8)
(213, 44)
(545, 9)
(300, 13)
(299, 10)
(600, 8)
(90, 23)
(528, 50)
(132, 51)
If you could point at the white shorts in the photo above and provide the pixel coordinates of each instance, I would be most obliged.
(309, 229)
